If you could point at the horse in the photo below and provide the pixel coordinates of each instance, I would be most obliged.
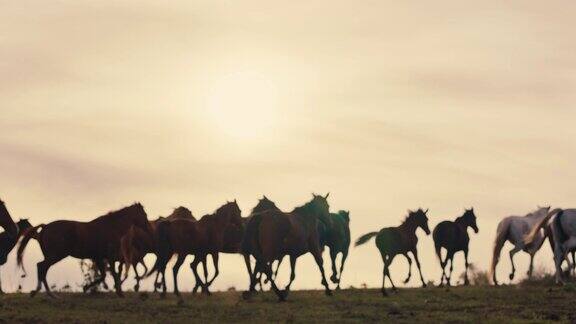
(98, 240)
(199, 238)
(6, 221)
(561, 223)
(272, 234)
(136, 244)
(392, 241)
(8, 242)
(336, 236)
(453, 236)
(513, 229)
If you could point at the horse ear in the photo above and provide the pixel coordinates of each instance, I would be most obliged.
(264, 197)
(409, 211)
(426, 211)
(326, 197)
(235, 201)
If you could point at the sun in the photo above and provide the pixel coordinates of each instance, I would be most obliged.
(243, 105)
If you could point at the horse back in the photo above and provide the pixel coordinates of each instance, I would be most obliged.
(449, 235)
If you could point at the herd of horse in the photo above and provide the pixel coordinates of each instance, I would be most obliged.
(118, 242)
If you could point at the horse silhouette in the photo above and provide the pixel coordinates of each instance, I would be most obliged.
(453, 236)
(8, 242)
(392, 241)
(272, 234)
(98, 240)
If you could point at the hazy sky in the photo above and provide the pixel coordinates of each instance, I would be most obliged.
(387, 105)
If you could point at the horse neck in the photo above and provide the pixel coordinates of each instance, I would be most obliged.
(461, 223)
(408, 226)
(8, 225)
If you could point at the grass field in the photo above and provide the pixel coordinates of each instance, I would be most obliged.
(459, 304)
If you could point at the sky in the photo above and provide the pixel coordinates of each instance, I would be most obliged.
(388, 106)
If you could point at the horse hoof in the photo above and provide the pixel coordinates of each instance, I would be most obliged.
(334, 279)
(424, 285)
(329, 293)
(163, 295)
(384, 293)
(338, 287)
(511, 276)
(33, 293)
(406, 280)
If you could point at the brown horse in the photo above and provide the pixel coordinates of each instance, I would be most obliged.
(98, 240)
(392, 241)
(8, 242)
(6, 222)
(453, 236)
(272, 234)
(136, 244)
(200, 238)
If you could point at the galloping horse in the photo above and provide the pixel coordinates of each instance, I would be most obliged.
(272, 234)
(200, 238)
(562, 225)
(98, 240)
(453, 236)
(6, 221)
(234, 235)
(136, 244)
(8, 242)
(514, 229)
(392, 241)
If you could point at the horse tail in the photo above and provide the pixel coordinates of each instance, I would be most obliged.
(164, 251)
(31, 233)
(365, 238)
(529, 239)
(437, 245)
(501, 236)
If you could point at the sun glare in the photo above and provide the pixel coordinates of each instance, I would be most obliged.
(243, 105)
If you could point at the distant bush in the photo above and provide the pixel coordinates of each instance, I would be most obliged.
(476, 276)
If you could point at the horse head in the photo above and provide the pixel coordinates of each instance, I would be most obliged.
(230, 213)
(139, 218)
(470, 219)
(319, 208)
(23, 225)
(419, 219)
(264, 204)
(6, 221)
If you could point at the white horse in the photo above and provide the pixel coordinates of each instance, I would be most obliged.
(514, 229)
(562, 225)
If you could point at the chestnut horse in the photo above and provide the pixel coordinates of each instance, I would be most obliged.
(200, 238)
(136, 244)
(392, 241)
(6, 221)
(453, 236)
(272, 234)
(98, 240)
(8, 242)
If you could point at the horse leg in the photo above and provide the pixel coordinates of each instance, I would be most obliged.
(466, 281)
(117, 279)
(1, 291)
(267, 269)
(292, 274)
(344, 256)
(409, 268)
(175, 270)
(531, 266)
(318, 258)
(450, 258)
(384, 273)
(512, 252)
(415, 254)
(194, 267)
(333, 256)
(216, 272)
(43, 268)
(387, 268)
(252, 286)
(566, 247)
(573, 262)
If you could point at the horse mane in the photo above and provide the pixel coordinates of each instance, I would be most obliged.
(112, 215)
(181, 212)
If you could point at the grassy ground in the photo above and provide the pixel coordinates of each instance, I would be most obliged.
(460, 304)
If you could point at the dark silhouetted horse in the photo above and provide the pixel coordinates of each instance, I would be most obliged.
(98, 240)
(200, 238)
(8, 242)
(272, 234)
(392, 241)
(136, 244)
(453, 236)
